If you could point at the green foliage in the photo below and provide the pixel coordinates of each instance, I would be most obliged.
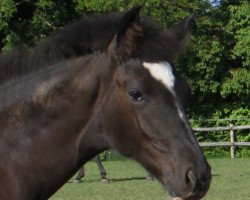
(25, 23)
(234, 114)
(237, 84)
(217, 60)
(97, 6)
(238, 26)
(7, 8)
(109, 155)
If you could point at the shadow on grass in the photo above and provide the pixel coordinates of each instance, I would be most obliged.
(215, 175)
(122, 179)
(128, 179)
(115, 179)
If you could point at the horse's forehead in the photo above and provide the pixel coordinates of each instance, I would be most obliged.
(163, 72)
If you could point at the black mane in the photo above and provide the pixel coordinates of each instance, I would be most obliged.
(84, 37)
(74, 40)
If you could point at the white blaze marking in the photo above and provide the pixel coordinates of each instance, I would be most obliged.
(162, 72)
(181, 114)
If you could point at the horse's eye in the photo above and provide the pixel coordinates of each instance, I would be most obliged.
(135, 95)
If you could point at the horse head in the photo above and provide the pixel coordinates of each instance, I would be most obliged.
(144, 108)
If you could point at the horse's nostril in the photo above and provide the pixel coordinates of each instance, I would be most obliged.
(197, 184)
(191, 178)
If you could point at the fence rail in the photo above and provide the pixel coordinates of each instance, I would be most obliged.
(231, 128)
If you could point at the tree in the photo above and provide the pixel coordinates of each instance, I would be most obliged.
(218, 68)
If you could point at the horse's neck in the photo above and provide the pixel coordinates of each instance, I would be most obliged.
(21, 61)
(56, 126)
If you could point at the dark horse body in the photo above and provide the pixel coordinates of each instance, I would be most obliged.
(54, 118)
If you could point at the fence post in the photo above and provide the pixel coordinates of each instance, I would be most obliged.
(232, 148)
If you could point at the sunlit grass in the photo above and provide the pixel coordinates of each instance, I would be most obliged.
(231, 180)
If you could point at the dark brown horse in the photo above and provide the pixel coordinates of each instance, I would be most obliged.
(128, 97)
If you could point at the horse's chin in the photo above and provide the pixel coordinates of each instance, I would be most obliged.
(188, 198)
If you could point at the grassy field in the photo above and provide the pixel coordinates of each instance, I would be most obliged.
(231, 180)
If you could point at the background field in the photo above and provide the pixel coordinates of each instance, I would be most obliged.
(231, 180)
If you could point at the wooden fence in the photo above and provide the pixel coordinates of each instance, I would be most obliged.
(232, 133)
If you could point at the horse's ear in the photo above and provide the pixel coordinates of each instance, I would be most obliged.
(179, 32)
(182, 28)
(123, 42)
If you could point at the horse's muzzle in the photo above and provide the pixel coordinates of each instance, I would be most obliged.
(199, 185)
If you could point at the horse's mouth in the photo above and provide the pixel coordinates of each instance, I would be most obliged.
(176, 198)
(187, 198)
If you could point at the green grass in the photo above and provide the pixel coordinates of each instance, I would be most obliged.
(231, 180)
